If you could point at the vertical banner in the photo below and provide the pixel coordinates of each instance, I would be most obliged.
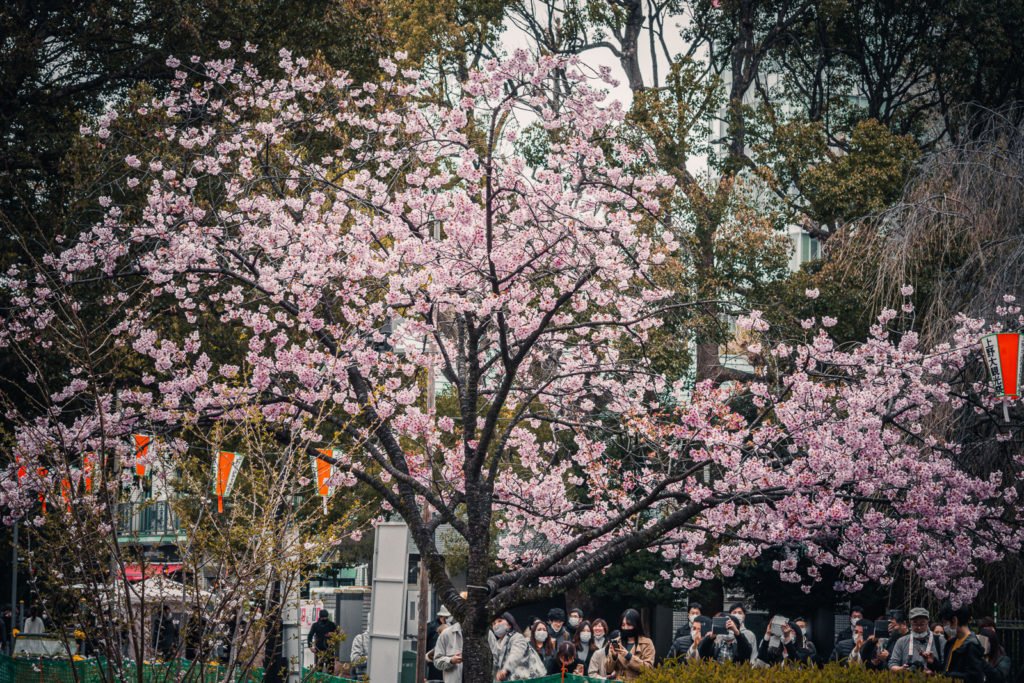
(322, 472)
(87, 463)
(1004, 356)
(65, 492)
(43, 473)
(142, 443)
(225, 470)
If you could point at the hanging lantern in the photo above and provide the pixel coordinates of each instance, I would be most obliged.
(1004, 356)
(142, 443)
(322, 471)
(225, 470)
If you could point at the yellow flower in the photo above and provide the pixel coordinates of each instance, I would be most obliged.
(77, 658)
(79, 634)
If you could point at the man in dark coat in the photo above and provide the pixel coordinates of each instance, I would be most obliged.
(320, 643)
(964, 655)
(165, 634)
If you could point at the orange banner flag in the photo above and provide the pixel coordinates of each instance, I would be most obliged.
(225, 469)
(142, 443)
(322, 471)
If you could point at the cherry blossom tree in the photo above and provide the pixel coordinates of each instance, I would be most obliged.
(307, 247)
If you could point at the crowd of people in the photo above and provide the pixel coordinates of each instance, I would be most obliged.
(949, 646)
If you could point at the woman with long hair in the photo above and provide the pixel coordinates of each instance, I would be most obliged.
(997, 663)
(583, 640)
(542, 642)
(632, 652)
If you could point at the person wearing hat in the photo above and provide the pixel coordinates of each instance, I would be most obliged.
(435, 627)
(919, 649)
(319, 642)
(556, 626)
(448, 650)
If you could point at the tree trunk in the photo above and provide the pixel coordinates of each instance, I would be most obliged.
(476, 654)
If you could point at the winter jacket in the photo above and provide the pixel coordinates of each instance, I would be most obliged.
(681, 644)
(736, 649)
(629, 668)
(967, 661)
(514, 655)
(449, 644)
(793, 652)
(319, 632)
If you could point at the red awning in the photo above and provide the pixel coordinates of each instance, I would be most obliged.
(134, 572)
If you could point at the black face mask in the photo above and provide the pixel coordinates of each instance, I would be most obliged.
(627, 633)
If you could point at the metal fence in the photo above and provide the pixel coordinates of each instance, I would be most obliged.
(1011, 633)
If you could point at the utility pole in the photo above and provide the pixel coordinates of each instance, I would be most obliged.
(14, 583)
(423, 604)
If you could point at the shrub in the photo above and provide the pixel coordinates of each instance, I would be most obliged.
(702, 672)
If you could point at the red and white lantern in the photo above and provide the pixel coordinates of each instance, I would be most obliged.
(1004, 355)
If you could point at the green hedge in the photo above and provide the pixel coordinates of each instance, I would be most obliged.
(29, 670)
(701, 672)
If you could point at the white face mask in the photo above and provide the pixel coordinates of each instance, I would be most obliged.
(691, 617)
(585, 637)
(540, 636)
(742, 617)
(574, 622)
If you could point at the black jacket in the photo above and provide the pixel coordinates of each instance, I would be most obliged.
(741, 653)
(681, 645)
(795, 650)
(319, 632)
(967, 662)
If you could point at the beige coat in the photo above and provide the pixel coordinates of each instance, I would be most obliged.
(628, 670)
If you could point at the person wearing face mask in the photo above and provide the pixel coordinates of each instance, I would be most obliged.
(856, 614)
(998, 666)
(848, 650)
(731, 647)
(876, 652)
(595, 669)
(918, 650)
(575, 619)
(812, 649)
(448, 649)
(964, 656)
(556, 625)
(789, 649)
(542, 642)
(740, 612)
(632, 652)
(700, 628)
(683, 638)
(584, 642)
(511, 655)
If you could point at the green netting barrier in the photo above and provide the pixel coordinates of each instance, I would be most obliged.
(30, 670)
(310, 676)
(27, 670)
